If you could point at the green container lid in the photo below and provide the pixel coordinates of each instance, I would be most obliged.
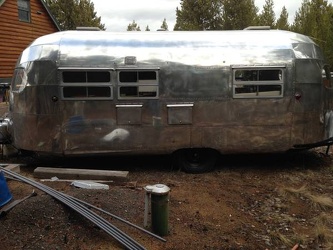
(158, 189)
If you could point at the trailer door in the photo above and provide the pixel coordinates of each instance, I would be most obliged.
(261, 108)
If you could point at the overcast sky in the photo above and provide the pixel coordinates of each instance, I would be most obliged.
(117, 15)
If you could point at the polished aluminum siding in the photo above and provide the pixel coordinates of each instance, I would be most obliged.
(194, 106)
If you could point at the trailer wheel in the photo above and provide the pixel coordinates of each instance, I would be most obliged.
(197, 160)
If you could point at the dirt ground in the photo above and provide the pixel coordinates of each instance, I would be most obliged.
(270, 201)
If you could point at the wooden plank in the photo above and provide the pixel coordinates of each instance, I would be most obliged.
(14, 167)
(80, 174)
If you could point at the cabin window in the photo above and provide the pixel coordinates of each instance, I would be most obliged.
(258, 82)
(86, 84)
(134, 84)
(23, 10)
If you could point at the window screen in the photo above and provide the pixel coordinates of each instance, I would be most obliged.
(258, 82)
(134, 84)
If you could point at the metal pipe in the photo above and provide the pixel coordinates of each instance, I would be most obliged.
(75, 205)
(101, 222)
(95, 221)
(118, 218)
(56, 195)
(90, 215)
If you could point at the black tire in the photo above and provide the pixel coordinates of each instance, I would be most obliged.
(196, 160)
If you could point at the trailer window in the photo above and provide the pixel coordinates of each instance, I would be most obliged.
(86, 92)
(258, 83)
(85, 76)
(134, 84)
(86, 84)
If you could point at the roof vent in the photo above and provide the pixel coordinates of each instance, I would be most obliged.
(258, 28)
(88, 28)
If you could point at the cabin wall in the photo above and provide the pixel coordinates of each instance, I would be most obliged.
(16, 35)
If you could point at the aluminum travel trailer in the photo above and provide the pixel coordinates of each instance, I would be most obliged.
(191, 94)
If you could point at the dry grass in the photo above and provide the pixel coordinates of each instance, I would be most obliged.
(323, 223)
(278, 239)
(324, 218)
(322, 202)
(323, 231)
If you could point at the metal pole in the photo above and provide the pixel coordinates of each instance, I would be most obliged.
(99, 221)
(118, 218)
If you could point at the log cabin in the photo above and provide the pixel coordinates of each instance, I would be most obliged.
(22, 21)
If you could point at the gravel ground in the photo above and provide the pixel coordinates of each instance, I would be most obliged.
(247, 202)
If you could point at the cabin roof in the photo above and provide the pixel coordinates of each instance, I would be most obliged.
(50, 14)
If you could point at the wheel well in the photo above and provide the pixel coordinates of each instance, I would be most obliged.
(195, 160)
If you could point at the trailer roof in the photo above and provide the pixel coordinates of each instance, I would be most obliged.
(177, 38)
(99, 48)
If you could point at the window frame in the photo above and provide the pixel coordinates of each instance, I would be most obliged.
(151, 85)
(85, 86)
(24, 12)
(256, 84)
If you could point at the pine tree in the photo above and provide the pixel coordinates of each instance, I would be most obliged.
(239, 14)
(301, 23)
(71, 14)
(282, 23)
(164, 25)
(267, 16)
(133, 26)
(199, 15)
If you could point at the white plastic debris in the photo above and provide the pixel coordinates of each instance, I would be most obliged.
(89, 185)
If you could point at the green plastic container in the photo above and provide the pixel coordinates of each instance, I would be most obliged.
(160, 209)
